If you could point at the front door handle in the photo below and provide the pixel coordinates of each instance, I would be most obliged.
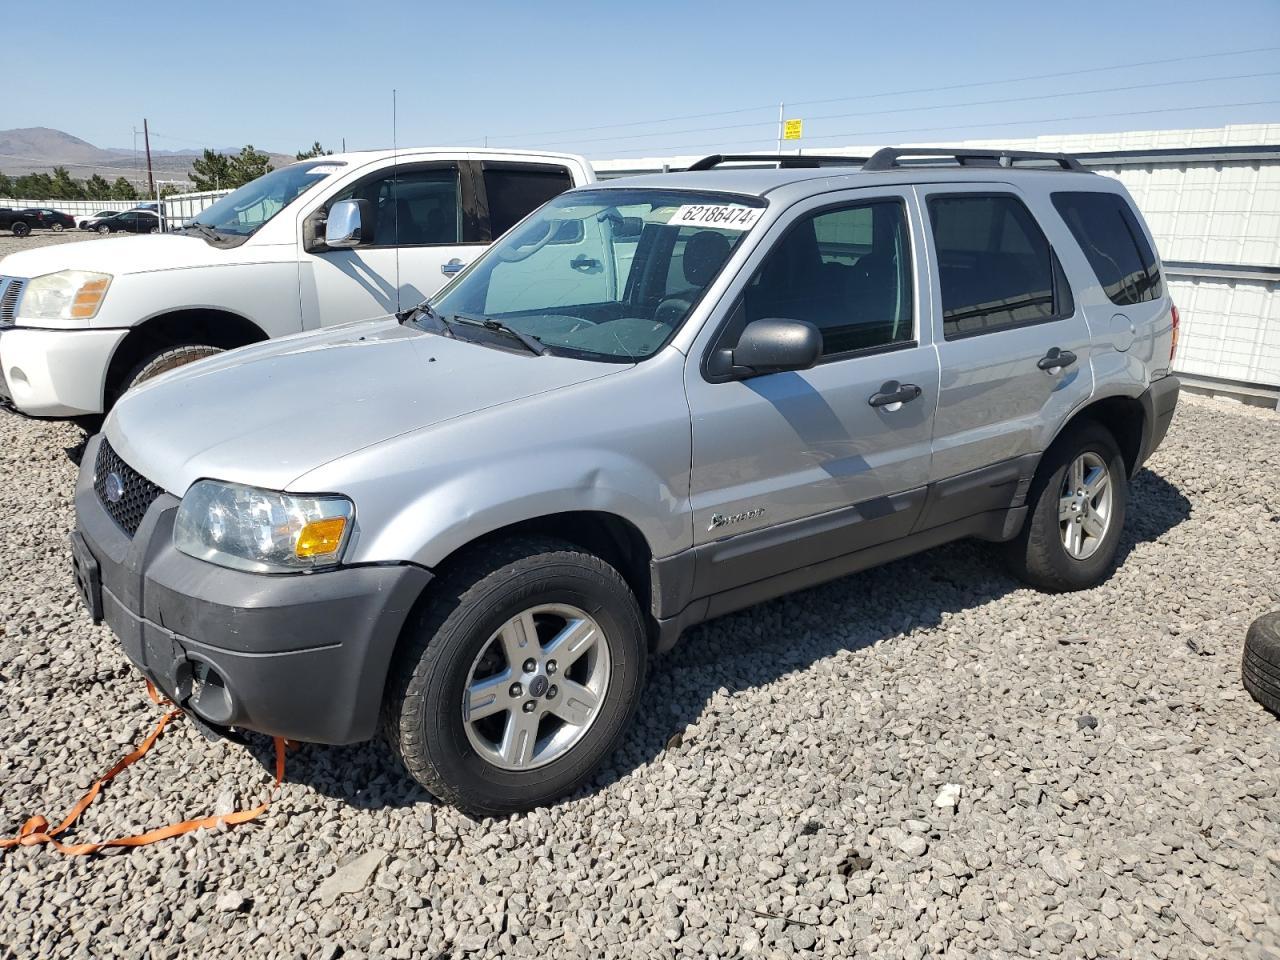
(893, 395)
(584, 263)
(453, 266)
(1056, 359)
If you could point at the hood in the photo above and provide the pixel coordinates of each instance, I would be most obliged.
(116, 255)
(266, 414)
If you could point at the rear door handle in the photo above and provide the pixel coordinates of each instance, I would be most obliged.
(1056, 359)
(893, 394)
(584, 263)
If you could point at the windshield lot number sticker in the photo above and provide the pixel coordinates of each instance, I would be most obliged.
(721, 216)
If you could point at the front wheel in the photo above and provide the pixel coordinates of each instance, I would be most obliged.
(519, 678)
(162, 361)
(103, 229)
(1076, 512)
(21, 229)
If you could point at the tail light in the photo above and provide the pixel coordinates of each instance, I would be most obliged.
(1173, 347)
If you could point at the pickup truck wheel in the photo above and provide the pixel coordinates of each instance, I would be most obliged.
(1076, 509)
(21, 229)
(1260, 669)
(167, 359)
(519, 677)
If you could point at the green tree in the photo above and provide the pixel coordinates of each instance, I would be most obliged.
(212, 171)
(34, 186)
(249, 164)
(122, 189)
(64, 187)
(6, 186)
(315, 151)
(97, 188)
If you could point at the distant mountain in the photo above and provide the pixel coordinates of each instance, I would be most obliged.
(40, 149)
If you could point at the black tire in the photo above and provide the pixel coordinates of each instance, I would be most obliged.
(103, 229)
(21, 229)
(422, 715)
(1037, 555)
(1260, 669)
(167, 359)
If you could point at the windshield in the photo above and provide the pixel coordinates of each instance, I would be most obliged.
(245, 210)
(604, 274)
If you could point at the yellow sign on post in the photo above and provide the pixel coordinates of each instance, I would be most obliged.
(792, 129)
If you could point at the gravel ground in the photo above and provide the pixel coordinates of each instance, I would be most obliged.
(923, 759)
(42, 238)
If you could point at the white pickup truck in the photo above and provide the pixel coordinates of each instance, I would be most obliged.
(80, 323)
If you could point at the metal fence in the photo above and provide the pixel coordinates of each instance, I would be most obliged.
(174, 209)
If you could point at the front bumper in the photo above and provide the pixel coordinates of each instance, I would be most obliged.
(56, 373)
(302, 656)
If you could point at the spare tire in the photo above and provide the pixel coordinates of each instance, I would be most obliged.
(1260, 669)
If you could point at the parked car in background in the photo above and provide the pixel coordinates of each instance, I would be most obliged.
(44, 218)
(90, 220)
(17, 222)
(80, 323)
(131, 221)
(653, 402)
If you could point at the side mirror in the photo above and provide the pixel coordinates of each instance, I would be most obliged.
(349, 224)
(771, 345)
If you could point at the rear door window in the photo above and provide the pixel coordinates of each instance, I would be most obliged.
(1112, 240)
(516, 190)
(995, 266)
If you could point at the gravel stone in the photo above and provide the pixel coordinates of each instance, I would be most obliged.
(813, 728)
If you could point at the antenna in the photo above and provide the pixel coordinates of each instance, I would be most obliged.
(395, 192)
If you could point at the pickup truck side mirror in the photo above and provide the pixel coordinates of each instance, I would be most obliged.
(771, 345)
(349, 224)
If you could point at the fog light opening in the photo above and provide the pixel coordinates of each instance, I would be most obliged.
(210, 697)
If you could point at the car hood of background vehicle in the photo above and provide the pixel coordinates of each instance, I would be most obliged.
(118, 255)
(266, 414)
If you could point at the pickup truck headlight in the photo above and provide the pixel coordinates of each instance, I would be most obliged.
(65, 295)
(261, 531)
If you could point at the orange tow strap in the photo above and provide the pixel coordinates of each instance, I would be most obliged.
(36, 830)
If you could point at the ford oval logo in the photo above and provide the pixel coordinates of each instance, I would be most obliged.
(113, 488)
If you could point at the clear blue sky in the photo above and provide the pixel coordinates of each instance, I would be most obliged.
(282, 74)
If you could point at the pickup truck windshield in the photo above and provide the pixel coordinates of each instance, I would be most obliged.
(604, 274)
(241, 213)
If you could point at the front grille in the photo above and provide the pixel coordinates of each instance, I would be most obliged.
(10, 290)
(135, 492)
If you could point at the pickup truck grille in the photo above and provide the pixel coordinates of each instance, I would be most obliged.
(10, 290)
(125, 498)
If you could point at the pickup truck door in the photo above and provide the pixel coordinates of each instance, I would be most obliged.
(424, 231)
(798, 467)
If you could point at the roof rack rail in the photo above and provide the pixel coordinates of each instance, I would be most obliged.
(887, 158)
(785, 161)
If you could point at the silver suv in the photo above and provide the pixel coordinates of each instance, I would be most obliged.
(652, 402)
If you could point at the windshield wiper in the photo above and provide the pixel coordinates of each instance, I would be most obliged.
(530, 343)
(443, 326)
(204, 230)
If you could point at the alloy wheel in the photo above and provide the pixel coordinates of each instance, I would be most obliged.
(1084, 505)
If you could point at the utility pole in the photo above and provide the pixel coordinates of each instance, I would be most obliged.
(151, 180)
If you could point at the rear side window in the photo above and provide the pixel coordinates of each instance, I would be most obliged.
(515, 192)
(995, 266)
(1112, 239)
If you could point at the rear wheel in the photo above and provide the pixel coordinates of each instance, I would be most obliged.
(1076, 510)
(57, 228)
(169, 358)
(1260, 668)
(21, 229)
(519, 678)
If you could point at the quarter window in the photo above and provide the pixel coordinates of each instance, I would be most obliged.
(847, 271)
(995, 266)
(1113, 241)
(515, 192)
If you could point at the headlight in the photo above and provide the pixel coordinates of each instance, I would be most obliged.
(261, 530)
(65, 295)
